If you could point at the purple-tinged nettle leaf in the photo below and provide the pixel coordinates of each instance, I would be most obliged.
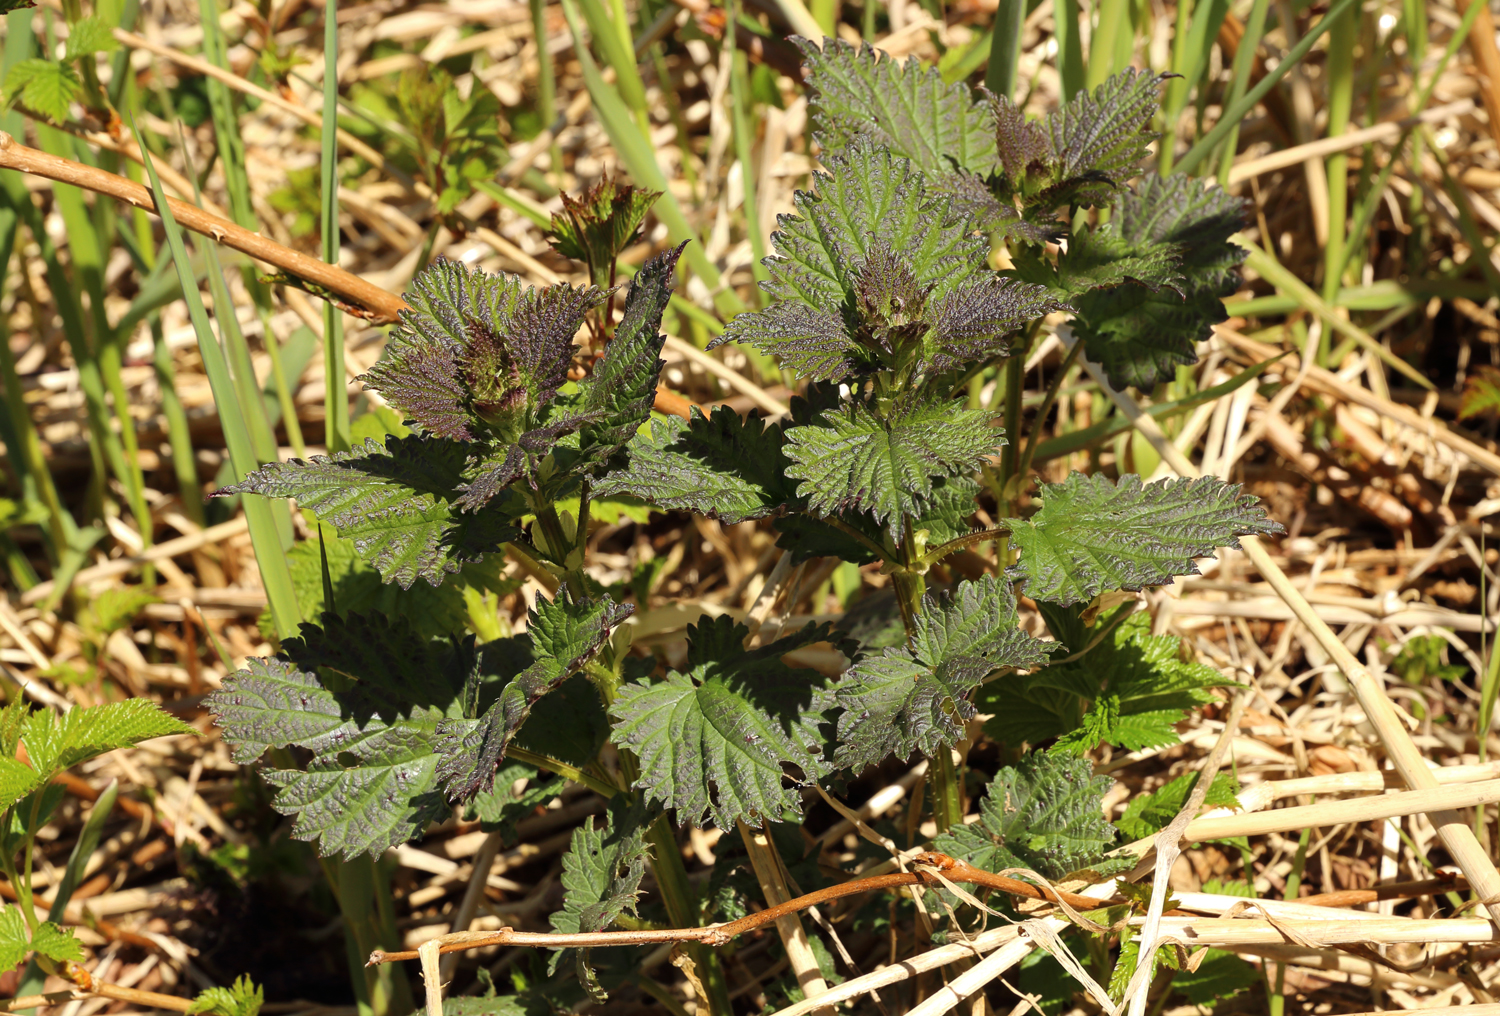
(476, 352)
(867, 273)
(851, 459)
(968, 324)
(916, 697)
(724, 466)
(718, 740)
(945, 130)
(1093, 535)
(1043, 813)
(1141, 333)
(563, 634)
(396, 503)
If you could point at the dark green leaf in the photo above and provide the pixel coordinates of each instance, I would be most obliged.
(1220, 975)
(915, 697)
(396, 503)
(499, 808)
(565, 633)
(1141, 333)
(853, 460)
(1092, 535)
(723, 466)
(1149, 814)
(717, 740)
(601, 878)
(1044, 813)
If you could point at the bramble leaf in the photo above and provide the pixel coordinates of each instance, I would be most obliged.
(15, 938)
(48, 940)
(1043, 813)
(717, 740)
(17, 779)
(46, 86)
(56, 742)
(397, 503)
(1132, 689)
(849, 459)
(877, 272)
(242, 998)
(564, 634)
(1092, 535)
(601, 879)
(1481, 393)
(55, 943)
(1149, 814)
(1141, 333)
(90, 35)
(915, 697)
(723, 466)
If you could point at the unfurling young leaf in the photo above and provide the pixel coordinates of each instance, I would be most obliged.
(601, 879)
(915, 697)
(1093, 535)
(242, 998)
(596, 226)
(717, 740)
(1044, 814)
(878, 273)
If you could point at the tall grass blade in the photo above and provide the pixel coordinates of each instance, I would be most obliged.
(1005, 48)
(274, 574)
(335, 388)
(1190, 52)
(1113, 41)
(742, 104)
(1340, 74)
(1069, 47)
(1244, 65)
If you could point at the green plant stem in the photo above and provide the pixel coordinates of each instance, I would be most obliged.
(681, 902)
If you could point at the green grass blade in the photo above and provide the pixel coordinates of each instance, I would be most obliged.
(742, 104)
(1244, 65)
(335, 388)
(1113, 41)
(1069, 47)
(1340, 75)
(618, 53)
(275, 576)
(1205, 145)
(1005, 48)
(1190, 59)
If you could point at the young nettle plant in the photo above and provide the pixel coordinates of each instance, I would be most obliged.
(883, 301)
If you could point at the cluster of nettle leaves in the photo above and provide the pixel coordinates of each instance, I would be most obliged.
(882, 299)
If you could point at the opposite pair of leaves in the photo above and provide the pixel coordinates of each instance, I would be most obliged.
(880, 272)
(1093, 535)
(916, 697)
(1129, 691)
(478, 364)
(16, 940)
(1044, 814)
(393, 720)
(717, 740)
(601, 880)
(55, 742)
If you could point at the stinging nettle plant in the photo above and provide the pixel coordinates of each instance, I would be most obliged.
(882, 299)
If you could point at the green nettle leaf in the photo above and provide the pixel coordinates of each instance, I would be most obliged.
(564, 634)
(1092, 535)
(851, 459)
(878, 272)
(1082, 152)
(1044, 813)
(1149, 814)
(396, 502)
(1141, 332)
(596, 226)
(915, 697)
(616, 398)
(945, 130)
(1132, 689)
(717, 740)
(56, 742)
(500, 808)
(243, 998)
(45, 86)
(1220, 975)
(724, 466)
(601, 879)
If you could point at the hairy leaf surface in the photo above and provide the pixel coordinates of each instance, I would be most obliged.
(717, 740)
(1044, 814)
(601, 879)
(1141, 333)
(396, 503)
(915, 697)
(852, 460)
(1092, 535)
(564, 634)
(723, 466)
(56, 742)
